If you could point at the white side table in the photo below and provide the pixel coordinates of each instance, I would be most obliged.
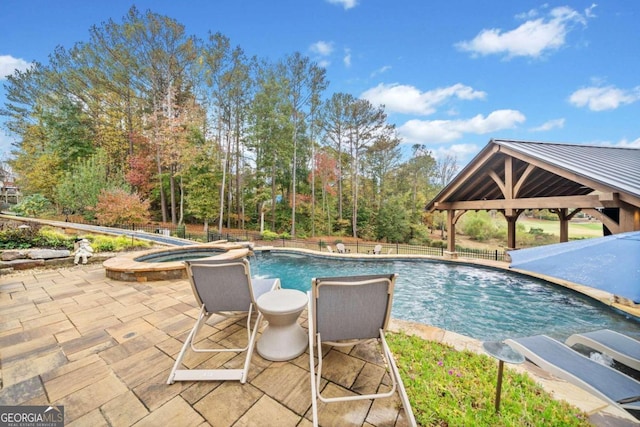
(283, 338)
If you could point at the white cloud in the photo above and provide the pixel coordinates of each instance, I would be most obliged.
(409, 100)
(8, 64)
(533, 38)
(549, 125)
(347, 58)
(462, 153)
(381, 70)
(600, 98)
(527, 15)
(347, 4)
(322, 48)
(629, 144)
(440, 131)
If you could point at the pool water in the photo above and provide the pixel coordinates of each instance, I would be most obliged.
(482, 303)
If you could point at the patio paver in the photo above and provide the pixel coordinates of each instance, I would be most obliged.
(104, 349)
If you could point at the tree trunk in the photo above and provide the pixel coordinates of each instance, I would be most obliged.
(172, 188)
(163, 198)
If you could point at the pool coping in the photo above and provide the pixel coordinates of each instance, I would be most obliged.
(125, 267)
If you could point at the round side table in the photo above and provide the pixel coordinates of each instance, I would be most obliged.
(504, 353)
(283, 338)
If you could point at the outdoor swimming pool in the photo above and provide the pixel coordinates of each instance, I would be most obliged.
(483, 303)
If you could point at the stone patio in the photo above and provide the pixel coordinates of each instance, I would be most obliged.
(104, 349)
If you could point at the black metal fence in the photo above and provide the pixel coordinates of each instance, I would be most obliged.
(359, 247)
(386, 248)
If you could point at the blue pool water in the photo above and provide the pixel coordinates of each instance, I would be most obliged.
(483, 303)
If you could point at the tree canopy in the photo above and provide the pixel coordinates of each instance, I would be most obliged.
(199, 131)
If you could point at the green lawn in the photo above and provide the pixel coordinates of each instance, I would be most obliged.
(457, 388)
(577, 230)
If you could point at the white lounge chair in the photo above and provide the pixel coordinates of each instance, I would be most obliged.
(222, 287)
(329, 249)
(346, 311)
(621, 348)
(377, 249)
(341, 249)
(602, 381)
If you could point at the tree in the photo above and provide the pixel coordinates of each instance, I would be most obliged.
(305, 81)
(70, 133)
(335, 125)
(202, 181)
(164, 54)
(270, 131)
(327, 172)
(117, 206)
(366, 124)
(81, 186)
(415, 177)
(392, 223)
(380, 159)
(446, 168)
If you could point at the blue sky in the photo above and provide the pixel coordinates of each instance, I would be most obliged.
(452, 74)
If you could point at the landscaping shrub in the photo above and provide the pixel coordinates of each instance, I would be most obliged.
(269, 235)
(33, 206)
(12, 236)
(479, 226)
(48, 237)
(101, 243)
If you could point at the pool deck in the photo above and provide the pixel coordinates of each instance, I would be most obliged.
(103, 348)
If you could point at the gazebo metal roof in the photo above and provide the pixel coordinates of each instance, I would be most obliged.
(552, 170)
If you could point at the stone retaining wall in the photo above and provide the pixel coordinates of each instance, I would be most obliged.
(23, 259)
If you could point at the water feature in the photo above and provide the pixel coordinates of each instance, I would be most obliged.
(483, 303)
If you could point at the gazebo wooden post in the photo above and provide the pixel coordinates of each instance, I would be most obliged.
(565, 217)
(451, 234)
(564, 224)
(511, 231)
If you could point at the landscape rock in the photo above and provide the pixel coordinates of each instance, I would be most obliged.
(48, 253)
(13, 255)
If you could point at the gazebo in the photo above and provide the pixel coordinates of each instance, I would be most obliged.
(513, 176)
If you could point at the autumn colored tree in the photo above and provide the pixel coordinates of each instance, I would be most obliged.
(117, 207)
(327, 172)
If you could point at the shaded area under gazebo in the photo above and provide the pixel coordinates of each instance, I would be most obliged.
(513, 176)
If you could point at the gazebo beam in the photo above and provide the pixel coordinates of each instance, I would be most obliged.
(572, 202)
